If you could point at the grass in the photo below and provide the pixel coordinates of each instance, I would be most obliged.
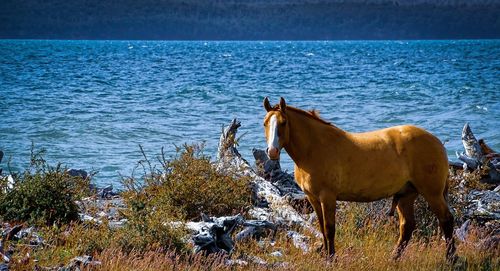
(188, 184)
(370, 248)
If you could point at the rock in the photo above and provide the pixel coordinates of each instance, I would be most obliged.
(81, 262)
(277, 254)
(85, 217)
(257, 260)
(78, 173)
(117, 224)
(10, 233)
(10, 183)
(35, 239)
(463, 232)
(106, 192)
(5, 255)
(236, 262)
(102, 214)
(484, 205)
(469, 163)
(299, 240)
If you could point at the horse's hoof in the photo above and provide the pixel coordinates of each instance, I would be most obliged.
(331, 259)
(452, 260)
(396, 254)
(458, 263)
(319, 247)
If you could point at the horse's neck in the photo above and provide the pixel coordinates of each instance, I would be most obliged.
(306, 136)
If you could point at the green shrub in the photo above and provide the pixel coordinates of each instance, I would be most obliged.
(187, 186)
(42, 194)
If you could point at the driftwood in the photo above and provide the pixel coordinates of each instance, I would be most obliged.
(478, 155)
(275, 194)
(272, 197)
(271, 171)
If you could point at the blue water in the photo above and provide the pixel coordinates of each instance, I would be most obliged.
(91, 103)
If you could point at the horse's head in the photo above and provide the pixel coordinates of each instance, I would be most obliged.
(276, 128)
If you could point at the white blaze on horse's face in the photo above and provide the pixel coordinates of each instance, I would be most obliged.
(273, 147)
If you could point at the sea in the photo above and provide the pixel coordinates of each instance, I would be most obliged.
(91, 104)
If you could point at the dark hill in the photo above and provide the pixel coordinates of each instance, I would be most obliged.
(257, 19)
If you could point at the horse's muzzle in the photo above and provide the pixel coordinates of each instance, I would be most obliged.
(273, 153)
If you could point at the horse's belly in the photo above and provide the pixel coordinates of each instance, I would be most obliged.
(364, 197)
(371, 188)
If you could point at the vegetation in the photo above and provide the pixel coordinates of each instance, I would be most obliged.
(365, 236)
(42, 194)
(188, 186)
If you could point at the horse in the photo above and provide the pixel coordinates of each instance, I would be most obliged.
(332, 164)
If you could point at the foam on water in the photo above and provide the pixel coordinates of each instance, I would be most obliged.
(91, 103)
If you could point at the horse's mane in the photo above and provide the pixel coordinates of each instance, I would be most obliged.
(314, 114)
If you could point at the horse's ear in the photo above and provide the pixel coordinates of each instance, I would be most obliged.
(267, 105)
(282, 105)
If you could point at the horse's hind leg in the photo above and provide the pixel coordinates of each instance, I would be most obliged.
(438, 205)
(394, 204)
(405, 207)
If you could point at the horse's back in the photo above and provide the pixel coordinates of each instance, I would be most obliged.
(419, 153)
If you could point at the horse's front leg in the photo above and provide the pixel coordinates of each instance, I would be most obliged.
(328, 208)
(316, 204)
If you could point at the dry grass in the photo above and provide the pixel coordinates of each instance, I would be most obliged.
(366, 249)
(365, 236)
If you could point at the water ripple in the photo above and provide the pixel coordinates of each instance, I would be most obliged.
(91, 103)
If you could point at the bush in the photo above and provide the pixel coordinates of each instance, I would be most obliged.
(42, 194)
(187, 186)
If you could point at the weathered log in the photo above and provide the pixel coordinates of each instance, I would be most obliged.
(213, 234)
(478, 155)
(484, 205)
(275, 196)
(471, 145)
(470, 163)
(271, 171)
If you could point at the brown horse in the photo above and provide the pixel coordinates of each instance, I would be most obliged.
(332, 164)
